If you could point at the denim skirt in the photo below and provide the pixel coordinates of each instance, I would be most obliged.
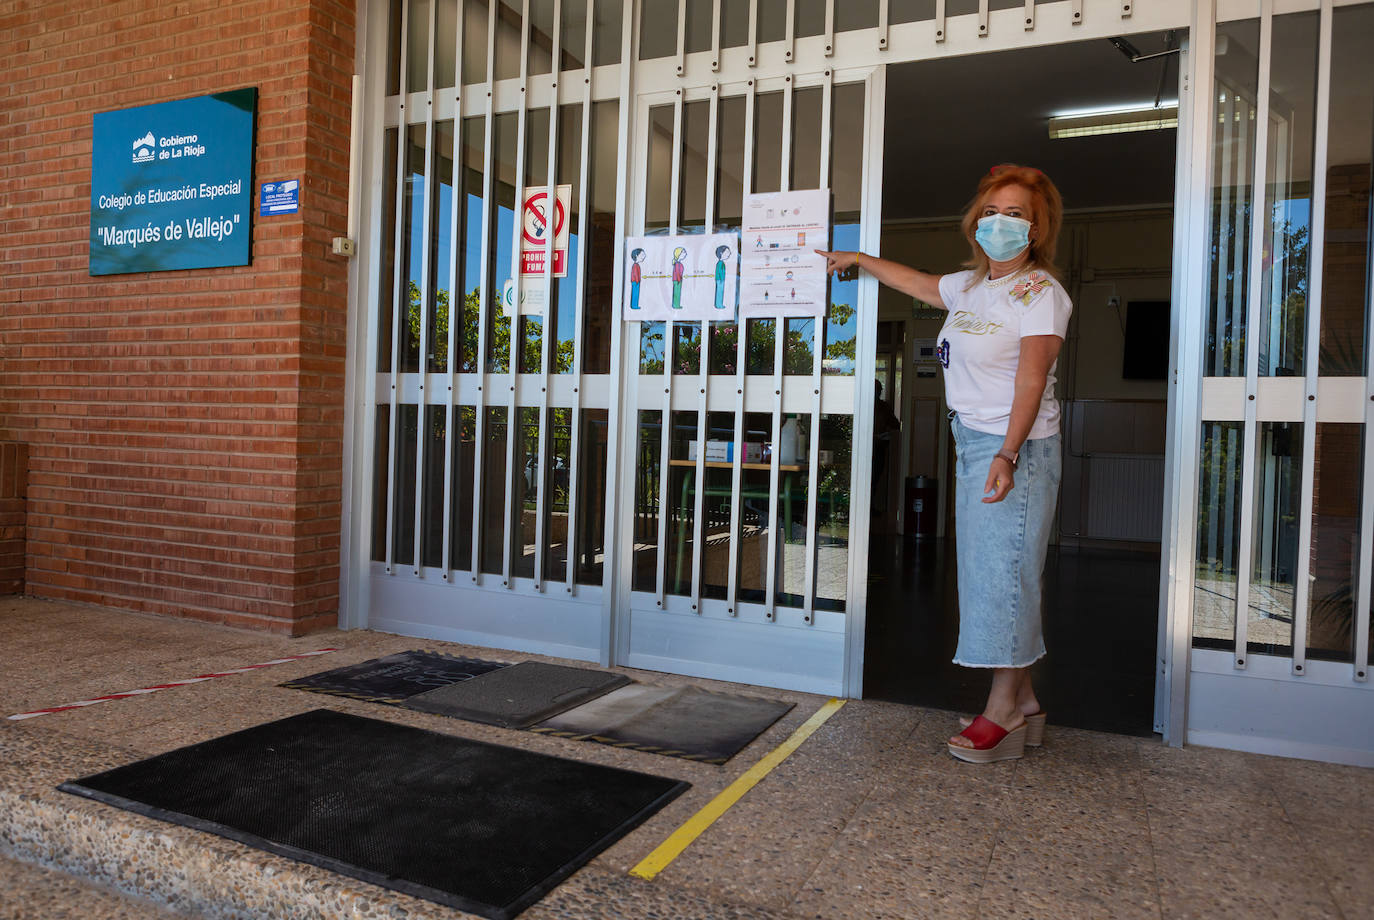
(1001, 549)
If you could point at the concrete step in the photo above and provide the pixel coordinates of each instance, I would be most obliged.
(32, 892)
(151, 868)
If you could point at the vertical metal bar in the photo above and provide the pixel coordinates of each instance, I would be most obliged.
(1191, 257)
(427, 297)
(829, 28)
(865, 347)
(484, 304)
(1077, 12)
(791, 35)
(1312, 363)
(882, 25)
(1125, 9)
(1258, 214)
(715, 35)
(1362, 605)
(704, 368)
(777, 541)
(617, 570)
(584, 255)
(399, 243)
(982, 18)
(550, 304)
(513, 434)
(753, 32)
(669, 353)
(681, 37)
(1030, 15)
(454, 299)
(741, 365)
(939, 20)
(813, 459)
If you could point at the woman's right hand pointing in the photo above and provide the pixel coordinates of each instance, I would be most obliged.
(838, 261)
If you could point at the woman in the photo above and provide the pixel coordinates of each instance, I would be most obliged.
(999, 345)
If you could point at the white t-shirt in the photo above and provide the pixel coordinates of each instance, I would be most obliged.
(980, 345)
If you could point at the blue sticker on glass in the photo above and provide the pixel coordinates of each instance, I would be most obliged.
(280, 198)
(172, 184)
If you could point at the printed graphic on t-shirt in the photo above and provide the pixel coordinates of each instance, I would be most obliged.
(1029, 289)
(972, 324)
(942, 352)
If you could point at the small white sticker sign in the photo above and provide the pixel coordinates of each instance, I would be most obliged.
(532, 299)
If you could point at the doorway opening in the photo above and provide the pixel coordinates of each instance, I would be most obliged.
(1117, 179)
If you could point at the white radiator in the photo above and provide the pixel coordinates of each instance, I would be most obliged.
(1122, 496)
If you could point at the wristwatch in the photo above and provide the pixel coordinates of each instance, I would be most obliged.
(1012, 458)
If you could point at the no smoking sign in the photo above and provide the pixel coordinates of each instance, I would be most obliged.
(534, 232)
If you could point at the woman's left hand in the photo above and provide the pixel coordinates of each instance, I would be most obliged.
(999, 482)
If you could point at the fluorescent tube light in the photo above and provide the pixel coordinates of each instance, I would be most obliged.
(1114, 121)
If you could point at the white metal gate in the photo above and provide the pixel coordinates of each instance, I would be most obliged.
(521, 484)
(1272, 436)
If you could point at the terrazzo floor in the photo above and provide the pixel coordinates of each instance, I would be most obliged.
(869, 818)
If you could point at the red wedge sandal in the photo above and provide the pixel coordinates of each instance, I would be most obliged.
(991, 742)
(1035, 727)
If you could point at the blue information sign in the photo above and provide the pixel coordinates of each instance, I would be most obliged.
(172, 184)
(280, 198)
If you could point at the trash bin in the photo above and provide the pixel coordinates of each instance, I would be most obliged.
(922, 505)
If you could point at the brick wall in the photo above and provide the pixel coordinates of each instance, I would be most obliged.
(184, 428)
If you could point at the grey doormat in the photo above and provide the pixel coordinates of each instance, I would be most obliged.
(518, 696)
(480, 827)
(395, 678)
(676, 721)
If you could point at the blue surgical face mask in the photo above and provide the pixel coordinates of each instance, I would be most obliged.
(1003, 237)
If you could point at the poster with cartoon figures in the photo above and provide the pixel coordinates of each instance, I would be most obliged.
(780, 273)
(681, 277)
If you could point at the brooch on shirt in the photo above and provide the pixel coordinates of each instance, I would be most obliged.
(1029, 289)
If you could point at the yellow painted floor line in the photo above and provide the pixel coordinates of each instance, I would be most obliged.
(670, 849)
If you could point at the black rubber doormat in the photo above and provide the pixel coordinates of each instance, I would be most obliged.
(518, 696)
(395, 678)
(480, 827)
(677, 721)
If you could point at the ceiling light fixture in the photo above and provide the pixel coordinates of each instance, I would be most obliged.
(1114, 121)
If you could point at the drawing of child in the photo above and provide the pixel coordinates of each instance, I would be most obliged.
(722, 253)
(679, 254)
(636, 257)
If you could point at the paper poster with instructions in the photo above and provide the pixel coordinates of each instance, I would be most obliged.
(681, 277)
(780, 273)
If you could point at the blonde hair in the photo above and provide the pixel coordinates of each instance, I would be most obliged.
(1047, 213)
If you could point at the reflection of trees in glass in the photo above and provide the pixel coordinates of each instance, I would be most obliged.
(1287, 288)
(1219, 476)
(840, 339)
(761, 342)
(651, 347)
(466, 335)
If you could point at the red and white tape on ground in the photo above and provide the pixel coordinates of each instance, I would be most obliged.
(170, 684)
